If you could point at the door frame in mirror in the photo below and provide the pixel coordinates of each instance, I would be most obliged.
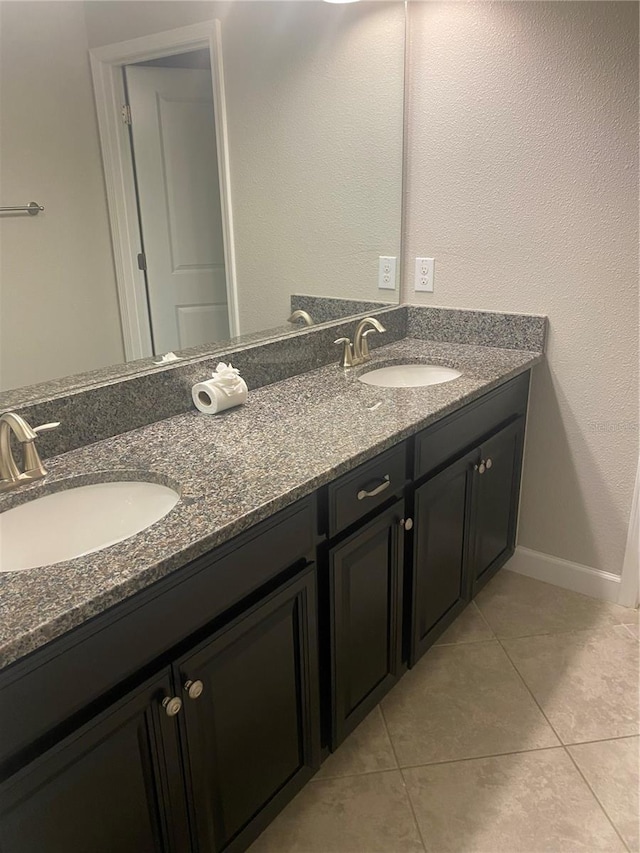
(106, 67)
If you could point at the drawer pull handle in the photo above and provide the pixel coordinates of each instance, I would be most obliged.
(172, 705)
(193, 689)
(363, 493)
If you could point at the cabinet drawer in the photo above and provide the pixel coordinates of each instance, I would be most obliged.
(353, 496)
(60, 680)
(461, 430)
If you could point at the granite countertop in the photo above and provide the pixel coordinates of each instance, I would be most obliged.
(232, 470)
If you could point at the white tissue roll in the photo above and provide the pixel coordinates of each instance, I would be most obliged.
(211, 399)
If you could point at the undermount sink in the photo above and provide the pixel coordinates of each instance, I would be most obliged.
(409, 375)
(79, 521)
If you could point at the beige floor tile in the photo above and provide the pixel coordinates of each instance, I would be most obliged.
(527, 803)
(518, 606)
(361, 814)
(586, 682)
(460, 702)
(611, 768)
(634, 630)
(469, 627)
(366, 750)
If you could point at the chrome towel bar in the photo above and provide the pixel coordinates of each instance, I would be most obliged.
(33, 208)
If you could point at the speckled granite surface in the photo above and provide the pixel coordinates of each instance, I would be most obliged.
(234, 470)
(92, 414)
(484, 328)
(325, 308)
(19, 398)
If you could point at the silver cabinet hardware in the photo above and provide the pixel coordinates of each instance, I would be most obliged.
(33, 208)
(172, 705)
(193, 689)
(488, 463)
(407, 523)
(363, 493)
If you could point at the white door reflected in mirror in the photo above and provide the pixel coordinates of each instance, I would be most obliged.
(174, 145)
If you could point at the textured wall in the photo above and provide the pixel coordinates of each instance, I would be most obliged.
(58, 303)
(315, 114)
(523, 184)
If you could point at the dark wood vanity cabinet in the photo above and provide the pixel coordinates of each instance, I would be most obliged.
(250, 734)
(440, 549)
(366, 587)
(201, 757)
(465, 510)
(185, 718)
(494, 511)
(112, 785)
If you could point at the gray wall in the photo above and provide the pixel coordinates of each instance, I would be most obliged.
(523, 184)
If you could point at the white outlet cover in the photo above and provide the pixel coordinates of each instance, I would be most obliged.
(387, 273)
(425, 269)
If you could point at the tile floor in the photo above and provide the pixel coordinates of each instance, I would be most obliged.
(516, 733)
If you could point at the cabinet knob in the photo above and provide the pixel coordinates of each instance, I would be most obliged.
(172, 705)
(407, 523)
(193, 689)
(489, 463)
(481, 468)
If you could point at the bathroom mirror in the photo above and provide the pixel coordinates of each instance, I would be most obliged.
(204, 167)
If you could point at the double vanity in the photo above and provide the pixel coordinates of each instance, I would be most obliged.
(173, 691)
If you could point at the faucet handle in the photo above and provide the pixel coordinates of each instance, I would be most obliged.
(347, 352)
(33, 466)
(46, 427)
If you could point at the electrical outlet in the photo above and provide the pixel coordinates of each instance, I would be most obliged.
(424, 274)
(387, 273)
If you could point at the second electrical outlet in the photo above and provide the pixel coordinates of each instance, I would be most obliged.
(424, 274)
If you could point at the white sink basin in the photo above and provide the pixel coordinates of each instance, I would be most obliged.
(79, 521)
(409, 375)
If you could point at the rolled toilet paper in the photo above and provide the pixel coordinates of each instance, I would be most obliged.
(210, 399)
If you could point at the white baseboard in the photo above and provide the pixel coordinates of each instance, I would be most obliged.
(564, 573)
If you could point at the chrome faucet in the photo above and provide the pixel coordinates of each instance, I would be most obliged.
(299, 314)
(10, 475)
(358, 352)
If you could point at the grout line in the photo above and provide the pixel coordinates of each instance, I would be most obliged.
(597, 799)
(480, 757)
(601, 740)
(564, 747)
(404, 781)
(484, 618)
(316, 778)
(587, 630)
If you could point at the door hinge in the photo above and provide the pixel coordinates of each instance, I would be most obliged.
(126, 113)
(142, 262)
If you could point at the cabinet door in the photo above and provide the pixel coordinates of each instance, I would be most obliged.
(495, 502)
(366, 618)
(114, 785)
(252, 736)
(440, 553)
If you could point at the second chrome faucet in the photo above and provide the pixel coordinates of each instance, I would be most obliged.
(358, 352)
